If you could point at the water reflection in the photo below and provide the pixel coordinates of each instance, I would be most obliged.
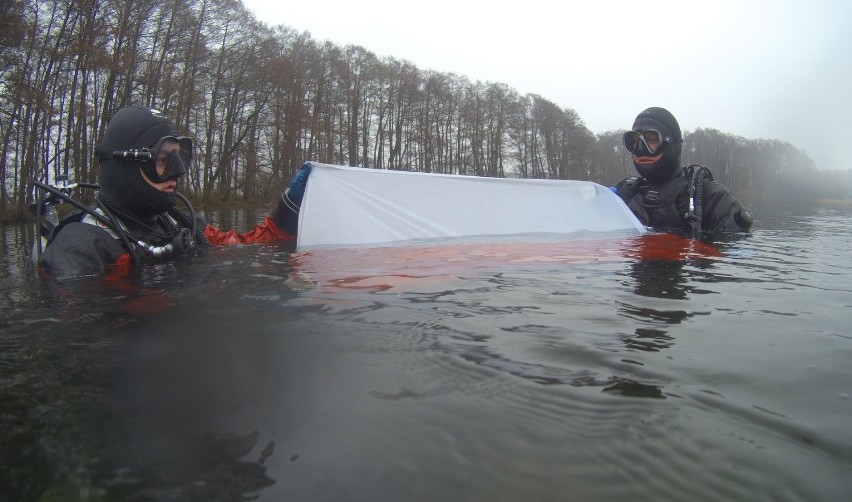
(663, 268)
(487, 298)
(16, 268)
(625, 370)
(660, 279)
(632, 388)
(71, 425)
(73, 422)
(649, 340)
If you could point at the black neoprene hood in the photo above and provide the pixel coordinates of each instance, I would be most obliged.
(121, 182)
(660, 119)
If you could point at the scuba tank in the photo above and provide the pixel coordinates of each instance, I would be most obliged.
(45, 209)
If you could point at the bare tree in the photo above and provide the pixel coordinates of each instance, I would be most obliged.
(259, 101)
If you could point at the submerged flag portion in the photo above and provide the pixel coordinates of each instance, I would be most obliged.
(351, 206)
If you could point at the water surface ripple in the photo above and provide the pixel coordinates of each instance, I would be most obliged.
(611, 369)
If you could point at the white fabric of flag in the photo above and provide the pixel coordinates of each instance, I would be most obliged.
(351, 206)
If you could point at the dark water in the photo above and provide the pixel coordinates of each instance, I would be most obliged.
(627, 369)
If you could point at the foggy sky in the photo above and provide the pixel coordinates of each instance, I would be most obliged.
(758, 69)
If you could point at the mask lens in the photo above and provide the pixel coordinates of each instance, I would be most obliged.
(175, 167)
(643, 142)
(631, 141)
(652, 141)
(170, 157)
(185, 150)
(161, 150)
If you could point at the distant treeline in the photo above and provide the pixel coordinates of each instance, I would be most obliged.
(260, 100)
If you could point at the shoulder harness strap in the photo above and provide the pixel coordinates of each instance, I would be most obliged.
(628, 187)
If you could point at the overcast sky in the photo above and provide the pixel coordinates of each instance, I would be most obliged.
(753, 68)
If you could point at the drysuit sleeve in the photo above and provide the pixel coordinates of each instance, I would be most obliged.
(722, 211)
(80, 249)
(280, 226)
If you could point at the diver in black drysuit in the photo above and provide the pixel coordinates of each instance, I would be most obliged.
(135, 219)
(671, 198)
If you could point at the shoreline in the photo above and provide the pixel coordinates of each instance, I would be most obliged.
(835, 202)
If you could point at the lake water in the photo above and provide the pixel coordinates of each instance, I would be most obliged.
(645, 368)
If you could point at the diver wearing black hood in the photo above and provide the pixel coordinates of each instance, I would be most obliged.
(667, 196)
(123, 187)
(135, 218)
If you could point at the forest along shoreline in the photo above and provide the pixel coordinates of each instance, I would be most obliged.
(835, 202)
(255, 114)
(10, 216)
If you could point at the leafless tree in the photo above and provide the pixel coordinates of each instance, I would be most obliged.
(260, 100)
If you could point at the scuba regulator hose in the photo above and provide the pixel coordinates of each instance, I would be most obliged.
(184, 242)
(695, 215)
